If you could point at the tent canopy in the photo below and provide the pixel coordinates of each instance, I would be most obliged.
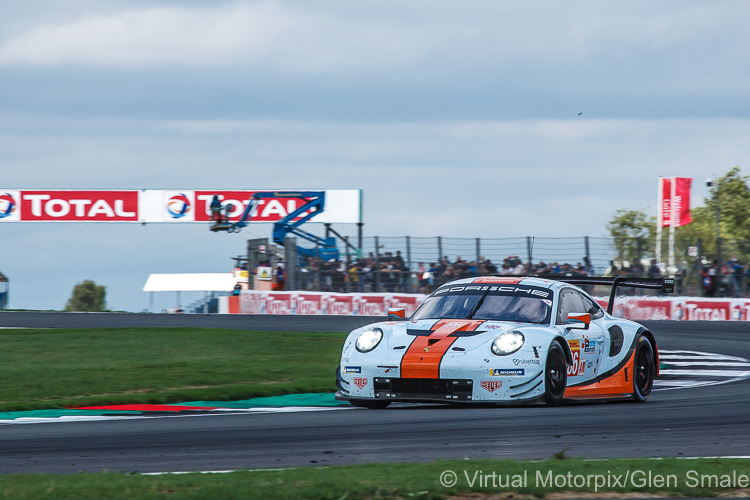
(190, 282)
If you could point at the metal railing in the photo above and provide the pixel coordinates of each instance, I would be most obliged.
(417, 264)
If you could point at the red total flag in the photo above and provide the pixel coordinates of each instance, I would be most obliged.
(679, 205)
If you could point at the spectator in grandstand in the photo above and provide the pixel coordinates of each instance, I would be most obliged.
(588, 267)
(653, 270)
(636, 268)
(340, 276)
(279, 275)
(367, 276)
(706, 282)
(736, 273)
(355, 269)
(401, 270)
(461, 267)
(423, 278)
(714, 279)
(491, 268)
(449, 274)
(541, 268)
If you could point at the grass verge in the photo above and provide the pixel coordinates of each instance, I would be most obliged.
(570, 478)
(66, 368)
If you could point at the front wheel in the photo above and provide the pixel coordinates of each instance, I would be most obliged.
(644, 369)
(555, 375)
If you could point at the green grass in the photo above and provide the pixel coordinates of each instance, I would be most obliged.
(43, 369)
(680, 477)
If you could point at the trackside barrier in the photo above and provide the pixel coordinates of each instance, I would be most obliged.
(355, 304)
(681, 308)
(376, 304)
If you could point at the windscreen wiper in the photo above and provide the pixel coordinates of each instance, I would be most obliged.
(478, 305)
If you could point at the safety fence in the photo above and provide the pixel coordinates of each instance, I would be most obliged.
(527, 248)
(417, 264)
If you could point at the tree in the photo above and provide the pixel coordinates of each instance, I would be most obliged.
(87, 297)
(634, 233)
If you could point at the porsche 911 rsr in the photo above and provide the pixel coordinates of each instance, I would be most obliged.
(501, 340)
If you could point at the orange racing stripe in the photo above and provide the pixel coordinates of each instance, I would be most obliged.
(422, 359)
(498, 280)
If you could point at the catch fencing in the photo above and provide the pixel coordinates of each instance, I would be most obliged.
(420, 253)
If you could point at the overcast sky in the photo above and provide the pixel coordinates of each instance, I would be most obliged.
(465, 119)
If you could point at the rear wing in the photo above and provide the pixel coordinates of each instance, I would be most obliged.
(665, 285)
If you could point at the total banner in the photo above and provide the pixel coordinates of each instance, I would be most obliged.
(355, 304)
(342, 206)
(682, 309)
(377, 304)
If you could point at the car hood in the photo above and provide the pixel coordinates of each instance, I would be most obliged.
(471, 334)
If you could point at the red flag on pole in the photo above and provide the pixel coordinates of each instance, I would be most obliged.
(681, 201)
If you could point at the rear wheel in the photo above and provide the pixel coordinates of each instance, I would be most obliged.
(369, 403)
(555, 375)
(644, 369)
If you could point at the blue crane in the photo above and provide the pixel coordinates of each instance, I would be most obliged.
(325, 247)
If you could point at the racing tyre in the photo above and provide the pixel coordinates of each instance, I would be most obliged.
(644, 369)
(555, 375)
(369, 403)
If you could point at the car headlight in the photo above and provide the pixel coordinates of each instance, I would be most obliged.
(507, 343)
(369, 339)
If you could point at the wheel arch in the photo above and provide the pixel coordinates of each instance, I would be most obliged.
(650, 336)
(566, 348)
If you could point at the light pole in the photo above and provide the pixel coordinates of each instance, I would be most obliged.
(709, 183)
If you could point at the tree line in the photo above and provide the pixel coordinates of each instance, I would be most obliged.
(634, 231)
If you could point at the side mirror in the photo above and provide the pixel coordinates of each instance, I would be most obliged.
(396, 314)
(578, 321)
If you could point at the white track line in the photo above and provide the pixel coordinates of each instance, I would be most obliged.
(706, 373)
(703, 354)
(716, 364)
(699, 358)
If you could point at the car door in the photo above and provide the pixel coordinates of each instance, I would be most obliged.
(586, 346)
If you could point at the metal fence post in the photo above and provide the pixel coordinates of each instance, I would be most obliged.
(586, 243)
(292, 263)
(376, 270)
(406, 273)
(529, 250)
(347, 276)
(359, 239)
(440, 249)
(479, 252)
(699, 266)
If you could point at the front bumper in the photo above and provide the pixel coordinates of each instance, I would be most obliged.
(444, 390)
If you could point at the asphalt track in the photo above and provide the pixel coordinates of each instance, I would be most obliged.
(700, 421)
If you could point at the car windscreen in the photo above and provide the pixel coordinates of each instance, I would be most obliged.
(523, 304)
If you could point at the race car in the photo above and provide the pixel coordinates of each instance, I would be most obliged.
(499, 339)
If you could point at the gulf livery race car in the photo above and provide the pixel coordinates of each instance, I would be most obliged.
(502, 340)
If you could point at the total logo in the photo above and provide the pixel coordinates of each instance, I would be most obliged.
(8, 205)
(178, 206)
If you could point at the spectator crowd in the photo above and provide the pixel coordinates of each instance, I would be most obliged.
(389, 272)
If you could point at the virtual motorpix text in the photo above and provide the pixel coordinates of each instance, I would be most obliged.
(611, 480)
